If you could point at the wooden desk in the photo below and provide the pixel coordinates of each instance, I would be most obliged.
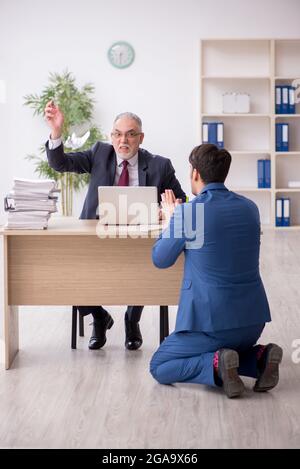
(69, 264)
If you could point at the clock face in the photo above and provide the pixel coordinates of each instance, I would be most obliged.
(121, 54)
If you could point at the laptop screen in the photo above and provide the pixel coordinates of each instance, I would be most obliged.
(123, 205)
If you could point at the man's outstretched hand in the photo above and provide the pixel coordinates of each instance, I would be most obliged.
(55, 119)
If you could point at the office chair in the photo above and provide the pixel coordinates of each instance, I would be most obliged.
(163, 324)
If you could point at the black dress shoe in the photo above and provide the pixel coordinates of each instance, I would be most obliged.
(133, 336)
(98, 337)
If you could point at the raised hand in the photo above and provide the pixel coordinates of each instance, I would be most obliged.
(168, 204)
(55, 119)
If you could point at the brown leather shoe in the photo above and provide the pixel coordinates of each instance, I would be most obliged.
(228, 363)
(268, 368)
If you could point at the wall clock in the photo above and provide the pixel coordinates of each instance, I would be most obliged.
(121, 54)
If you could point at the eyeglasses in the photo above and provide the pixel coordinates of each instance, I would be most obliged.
(130, 134)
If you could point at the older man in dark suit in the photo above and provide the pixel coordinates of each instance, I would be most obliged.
(122, 163)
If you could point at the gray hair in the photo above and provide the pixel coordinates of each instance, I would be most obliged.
(130, 115)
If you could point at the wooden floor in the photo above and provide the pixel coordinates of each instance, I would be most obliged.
(55, 397)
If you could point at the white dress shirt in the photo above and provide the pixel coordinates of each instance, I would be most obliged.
(133, 167)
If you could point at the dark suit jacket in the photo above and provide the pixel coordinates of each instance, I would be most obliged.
(100, 161)
(221, 287)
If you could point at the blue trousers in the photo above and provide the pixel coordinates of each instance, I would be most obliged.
(187, 357)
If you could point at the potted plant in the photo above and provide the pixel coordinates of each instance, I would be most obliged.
(77, 106)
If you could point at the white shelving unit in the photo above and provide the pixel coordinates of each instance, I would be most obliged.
(254, 66)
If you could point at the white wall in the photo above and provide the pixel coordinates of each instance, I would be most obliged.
(38, 37)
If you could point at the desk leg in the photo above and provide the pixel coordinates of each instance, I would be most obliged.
(164, 322)
(11, 334)
(11, 316)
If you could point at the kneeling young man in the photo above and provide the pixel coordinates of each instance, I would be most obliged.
(223, 306)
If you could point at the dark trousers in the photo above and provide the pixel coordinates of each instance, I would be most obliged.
(133, 313)
(187, 357)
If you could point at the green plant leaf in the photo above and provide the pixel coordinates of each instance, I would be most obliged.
(77, 106)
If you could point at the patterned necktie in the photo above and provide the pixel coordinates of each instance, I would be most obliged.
(124, 178)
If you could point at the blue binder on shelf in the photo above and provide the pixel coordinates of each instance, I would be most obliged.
(283, 211)
(213, 132)
(278, 136)
(220, 134)
(285, 137)
(286, 209)
(278, 93)
(267, 179)
(291, 103)
(204, 132)
(282, 136)
(284, 99)
(278, 208)
(263, 174)
(260, 174)
(209, 132)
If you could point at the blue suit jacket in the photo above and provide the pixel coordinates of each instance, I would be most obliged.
(221, 287)
(100, 161)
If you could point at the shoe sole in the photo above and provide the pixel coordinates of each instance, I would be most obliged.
(270, 376)
(232, 383)
(109, 326)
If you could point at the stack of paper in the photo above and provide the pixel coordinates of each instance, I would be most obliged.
(30, 203)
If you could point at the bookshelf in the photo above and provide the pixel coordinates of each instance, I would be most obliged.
(254, 66)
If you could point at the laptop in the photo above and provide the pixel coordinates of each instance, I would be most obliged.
(128, 205)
